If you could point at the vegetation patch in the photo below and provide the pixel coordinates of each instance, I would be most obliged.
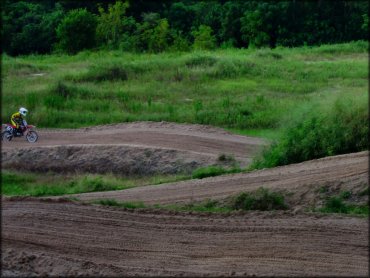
(336, 204)
(103, 73)
(32, 184)
(201, 61)
(320, 131)
(212, 171)
(114, 203)
(262, 199)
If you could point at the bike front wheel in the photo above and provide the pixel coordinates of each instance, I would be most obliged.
(32, 136)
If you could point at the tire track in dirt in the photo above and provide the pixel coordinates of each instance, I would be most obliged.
(349, 171)
(64, 238)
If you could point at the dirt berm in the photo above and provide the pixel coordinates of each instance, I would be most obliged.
(302, 182)
(136, 148)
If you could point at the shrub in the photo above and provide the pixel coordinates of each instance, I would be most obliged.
(324, 130)
(335, 204)
(77, 31)
(262, 199)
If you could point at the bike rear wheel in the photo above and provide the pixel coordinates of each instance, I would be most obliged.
(32, 136)
(6, 136)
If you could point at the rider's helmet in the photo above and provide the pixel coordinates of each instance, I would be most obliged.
(23, 111)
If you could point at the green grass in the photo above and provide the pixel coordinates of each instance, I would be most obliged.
(251, 91)
(336, 204)
(33, 184)
(262, 199)
(212, 171)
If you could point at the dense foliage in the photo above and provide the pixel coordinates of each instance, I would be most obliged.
(156, 26)
(322, 130)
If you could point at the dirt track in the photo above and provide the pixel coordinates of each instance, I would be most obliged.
(61, 238)
(71, 239)
(345, 172)
(135, 148)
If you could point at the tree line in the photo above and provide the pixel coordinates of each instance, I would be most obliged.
(47, 26)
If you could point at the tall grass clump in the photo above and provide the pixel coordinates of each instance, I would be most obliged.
(261, 199)
(103, 73)
(212, 171)
(200, 61)
(325, 129)
(336, 204)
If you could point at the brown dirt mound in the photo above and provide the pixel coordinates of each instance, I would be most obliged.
(123, 160)
(67, 239)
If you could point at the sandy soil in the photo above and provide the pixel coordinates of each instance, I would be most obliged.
(57, 237)
(135, 148)
(67, 239)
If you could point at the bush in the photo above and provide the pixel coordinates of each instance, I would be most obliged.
(328, 129)
(262, 199)
(77, 31)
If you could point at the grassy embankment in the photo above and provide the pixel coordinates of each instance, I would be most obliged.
(260, 200)
(297, 97)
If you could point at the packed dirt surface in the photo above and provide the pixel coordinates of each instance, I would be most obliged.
(68, 239)
(134, 148)
(303, 180)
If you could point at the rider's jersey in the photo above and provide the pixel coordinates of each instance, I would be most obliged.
(16, 119)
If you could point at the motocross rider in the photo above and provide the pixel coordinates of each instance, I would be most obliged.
(17, 119)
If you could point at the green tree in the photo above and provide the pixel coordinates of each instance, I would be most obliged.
(365, 25)
(29, 28)
(179, 42)
(113, 24)
(158, 41)
(181, 16)
(77, 31)
(153, 34)
(203, 38)
(253, 29)
(230, 23)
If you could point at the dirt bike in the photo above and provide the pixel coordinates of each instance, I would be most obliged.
(10, 131)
